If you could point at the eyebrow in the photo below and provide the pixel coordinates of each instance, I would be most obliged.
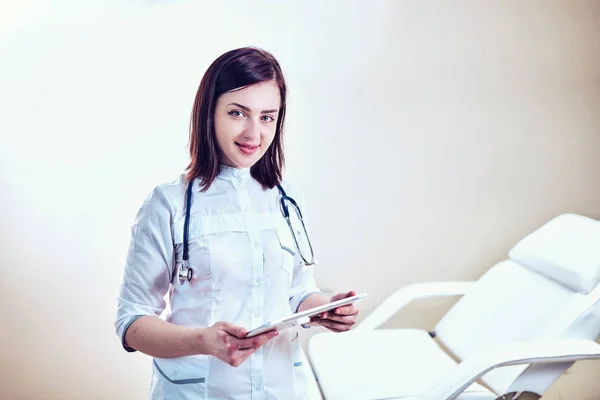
(248, 108)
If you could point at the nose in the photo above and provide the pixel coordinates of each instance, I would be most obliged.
(252, 130)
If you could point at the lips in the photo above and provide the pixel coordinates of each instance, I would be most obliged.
(247, 149)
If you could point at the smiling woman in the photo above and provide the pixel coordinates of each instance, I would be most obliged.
(245, 123)
(215, 240)
(242, 98)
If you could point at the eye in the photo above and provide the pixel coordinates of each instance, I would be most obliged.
(267, 118)
(236, 113)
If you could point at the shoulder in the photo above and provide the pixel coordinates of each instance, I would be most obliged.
(164, 197)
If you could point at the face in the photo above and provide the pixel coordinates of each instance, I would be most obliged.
(245, 123)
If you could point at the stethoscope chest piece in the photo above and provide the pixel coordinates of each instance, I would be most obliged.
(184, 273)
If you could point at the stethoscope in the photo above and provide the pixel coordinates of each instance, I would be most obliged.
(185, 273)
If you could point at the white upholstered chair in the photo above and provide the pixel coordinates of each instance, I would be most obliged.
(514, 330)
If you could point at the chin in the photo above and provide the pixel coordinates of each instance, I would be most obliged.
(243, 165)
(239, 160)
(246, 163)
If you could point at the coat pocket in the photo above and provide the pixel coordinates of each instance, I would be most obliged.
(183, 370)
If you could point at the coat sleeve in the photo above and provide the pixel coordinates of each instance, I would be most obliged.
(148, 265)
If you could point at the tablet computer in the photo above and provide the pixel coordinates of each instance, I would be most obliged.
(303, 316)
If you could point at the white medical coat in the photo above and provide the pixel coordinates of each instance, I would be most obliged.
(245, 271)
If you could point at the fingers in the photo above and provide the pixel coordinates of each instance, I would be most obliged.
(239, 356)
(347, 321)
(340, 319)
(340, 312)
(234, 344)
(256, 341)
(233, 329)
(340, 296)
(334, 326)
(350, 309)
(344, 319)
(238, 350)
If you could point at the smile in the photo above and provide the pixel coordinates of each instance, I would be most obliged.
(247, 149)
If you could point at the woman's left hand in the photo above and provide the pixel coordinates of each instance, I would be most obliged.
(340, 319)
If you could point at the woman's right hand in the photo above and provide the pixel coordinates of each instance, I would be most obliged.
(228, 343)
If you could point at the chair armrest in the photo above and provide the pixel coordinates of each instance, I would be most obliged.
(537, 352)
(406, 295)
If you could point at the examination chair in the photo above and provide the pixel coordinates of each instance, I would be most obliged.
(514, 330)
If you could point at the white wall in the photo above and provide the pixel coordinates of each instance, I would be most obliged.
(428, 136)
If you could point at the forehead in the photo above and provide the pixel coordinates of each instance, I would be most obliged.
(260, 96)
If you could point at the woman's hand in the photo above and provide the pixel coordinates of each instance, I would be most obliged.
(228, 343)
(340, 319)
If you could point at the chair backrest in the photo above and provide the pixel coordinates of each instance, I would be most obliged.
(548, 288)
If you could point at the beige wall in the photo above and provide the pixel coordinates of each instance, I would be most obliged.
(440, 133)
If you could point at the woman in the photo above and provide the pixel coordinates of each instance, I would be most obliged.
(245, 269)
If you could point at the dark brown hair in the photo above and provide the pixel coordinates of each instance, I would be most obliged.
(233, 70)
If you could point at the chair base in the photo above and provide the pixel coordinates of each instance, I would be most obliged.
(520, 396)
